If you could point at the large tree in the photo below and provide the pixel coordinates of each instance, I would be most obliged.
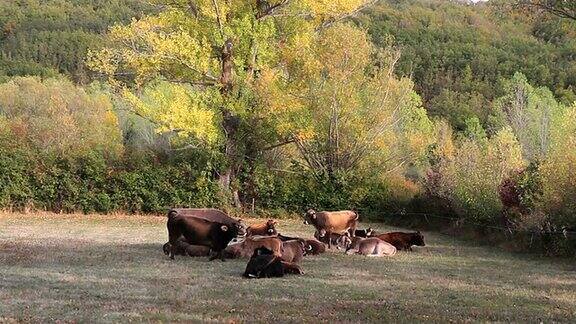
(561, 8)
(211, 52)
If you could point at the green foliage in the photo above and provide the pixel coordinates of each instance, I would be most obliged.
(458, 53)
(45, 38)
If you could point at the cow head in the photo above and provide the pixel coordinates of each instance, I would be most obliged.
(271, 227)
(310, 217)
(241, 227)
(228, 231)
(417, 239)
(369, 232)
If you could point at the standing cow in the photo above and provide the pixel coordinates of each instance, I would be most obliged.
(199, 231)
(327, 222)
(213, 215)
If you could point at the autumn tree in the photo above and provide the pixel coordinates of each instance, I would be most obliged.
(352, 112)
(214, 51)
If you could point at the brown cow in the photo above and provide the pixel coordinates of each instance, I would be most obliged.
(267, 228)
(403, 241)
(198, 231)
(293, 251)
(337, 222)
(245, 248)
(315, 247)
(183, 248)
(371, 246)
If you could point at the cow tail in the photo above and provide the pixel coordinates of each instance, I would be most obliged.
(357, 215)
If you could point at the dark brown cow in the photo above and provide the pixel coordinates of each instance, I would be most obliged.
(198, 231)
(264, 264)
(213, 215)
(183, 248)
(337, 222)
(403, 241)
(267, 228)
(293, 251)
(245, 248)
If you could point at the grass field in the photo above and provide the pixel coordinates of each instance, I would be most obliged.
(112, 269)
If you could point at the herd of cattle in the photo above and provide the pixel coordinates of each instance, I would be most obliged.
(210, 232)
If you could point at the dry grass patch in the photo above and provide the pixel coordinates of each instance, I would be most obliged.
(111, 269)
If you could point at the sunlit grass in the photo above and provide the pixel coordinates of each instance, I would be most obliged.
(112, 269)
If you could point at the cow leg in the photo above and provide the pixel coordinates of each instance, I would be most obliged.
(329, 236)
(221, 254)
(353, 228)
(213, 255)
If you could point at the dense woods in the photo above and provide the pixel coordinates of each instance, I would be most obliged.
(387, 107)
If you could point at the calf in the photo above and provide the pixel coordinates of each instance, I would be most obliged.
(266, 228)
(332, 222)
(198, 231)
(403, 241)
(293, 251)
(183, 248)
(371, 246)
(364, 233)
(322, 236)
(246, 248)
(264, 264)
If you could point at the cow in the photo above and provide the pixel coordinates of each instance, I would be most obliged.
(199, 231)
(322, 236)
(403, 241)
(315, 247)
(371, 246)
(264, 264)
(245, 248)
(183, 248)
(337, 222)
(266, 228)
(364, 232)
(293, 251)
(213, 215)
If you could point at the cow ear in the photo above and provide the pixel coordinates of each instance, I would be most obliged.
(224, 228)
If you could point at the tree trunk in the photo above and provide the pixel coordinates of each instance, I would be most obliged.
(230, 124)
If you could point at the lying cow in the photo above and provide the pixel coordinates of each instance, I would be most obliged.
(199, 231)
(264, 264)
(315, 247)
(265, 228)
(332, 222)
(293, 251)
(403, 241)
(333, 239)
(245, 248)
(371, 246)
(183, 248)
